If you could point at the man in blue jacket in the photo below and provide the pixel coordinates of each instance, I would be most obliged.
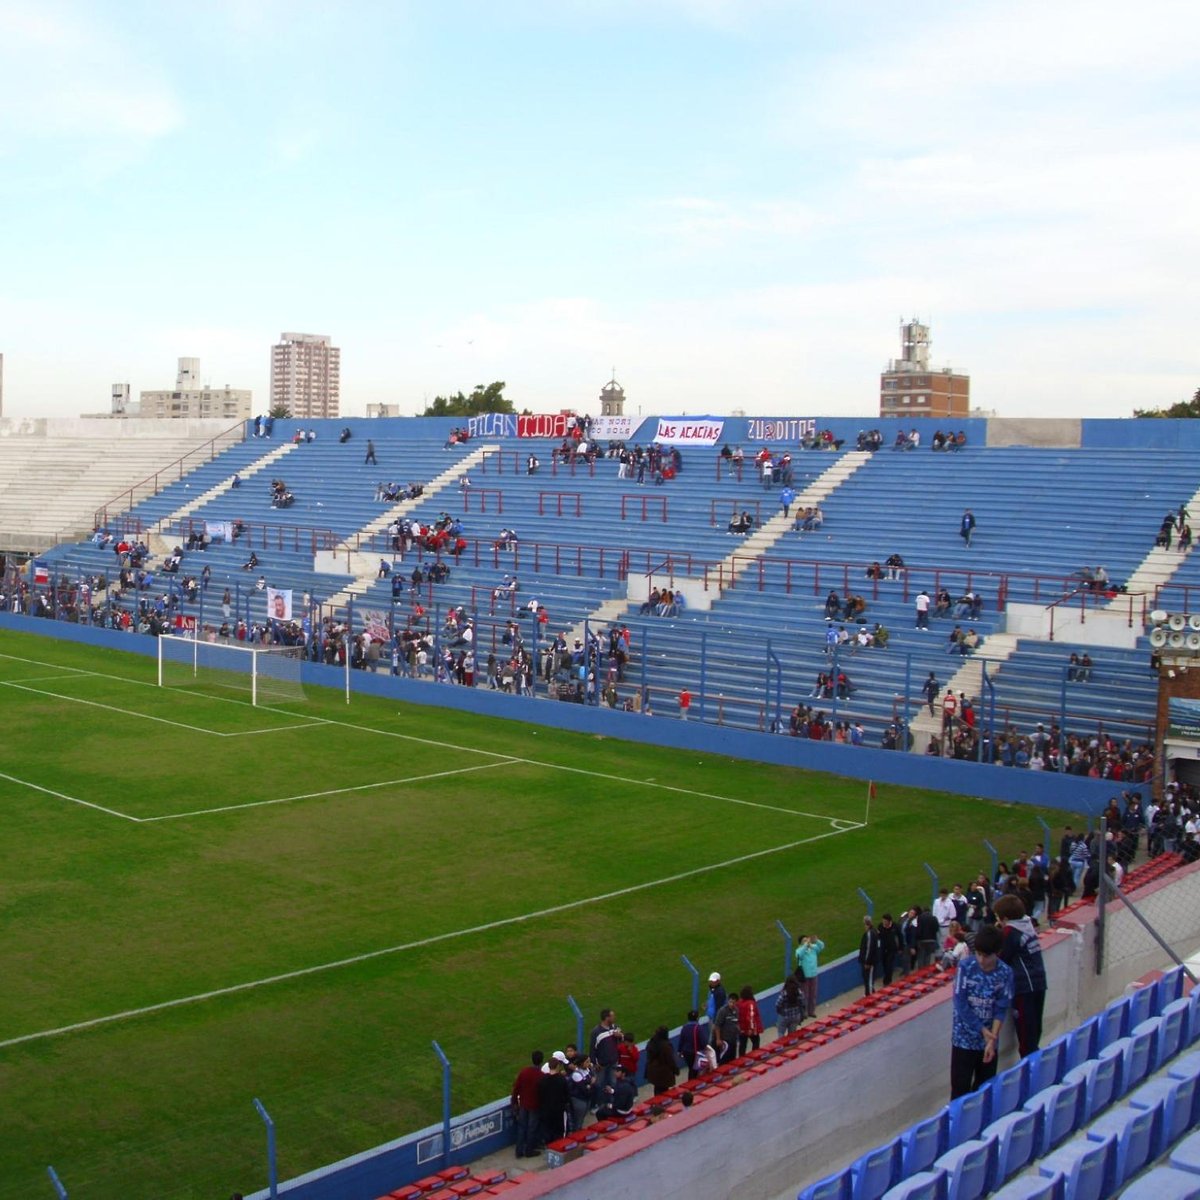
(983, 990)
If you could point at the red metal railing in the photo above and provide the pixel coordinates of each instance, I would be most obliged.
(570, 499)
(644, 505)
(1134, 605)
(481, 496)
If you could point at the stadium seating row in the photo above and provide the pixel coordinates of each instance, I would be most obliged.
(1048, 1125)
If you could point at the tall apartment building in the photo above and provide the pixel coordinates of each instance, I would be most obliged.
(187, 399)
(306, 375)
(910, 388)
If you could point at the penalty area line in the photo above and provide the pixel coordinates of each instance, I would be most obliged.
(420, 943)
(344, 791)
(112, 812)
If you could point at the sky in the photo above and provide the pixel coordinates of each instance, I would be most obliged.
(730, 203)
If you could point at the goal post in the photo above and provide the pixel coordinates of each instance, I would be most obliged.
(264, 674)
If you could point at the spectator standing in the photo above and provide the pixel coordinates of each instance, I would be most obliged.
(808, 970)
(750, 1022)
(983, 990)
(868, 954)
(685, 703)
(716, 995)
(370, 459)
(693, 1042)
(889, 947)
(786, 497)
(1022, 952)
(524, 1103)
(554, 1101)
(930, 689)
(602, 1049)
(662, 1067)
(944, 910)
(726, 1028)
(966, 527)
(789, 1007)
(922, 606)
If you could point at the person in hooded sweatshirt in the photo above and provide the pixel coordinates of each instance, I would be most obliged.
(1022, 952)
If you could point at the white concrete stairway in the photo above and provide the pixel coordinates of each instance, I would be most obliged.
(366, 566)
(218, 490)
(994, 650)
(1155, 569)
(760, 542)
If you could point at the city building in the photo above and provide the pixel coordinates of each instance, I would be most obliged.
(188, 399)
(909, 387)
(612, 399)
(306, 375)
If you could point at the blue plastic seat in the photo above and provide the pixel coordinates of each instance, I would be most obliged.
(1141, 1006)
(1176, 1098)
(876, 1172)
(969, 1168)
(1087, 1165)
(1009, 1090)
(1172, 1031)
(1136, 1131)
(1098, 1077)
(924, 1185)
(1062, 1107)
(1163, 1183)
(1168, 989)
(1018, 1138)
(834, 1187)
(1193, 1021)
(1082, 1043)
(967, 1115)
(924, 1143)
(1112, 1023)
(1186, 1156)
(1048, 1065)
(1034, 1185)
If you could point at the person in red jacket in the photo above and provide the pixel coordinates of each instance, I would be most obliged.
(524, 1101)
(750, 1022)
(628, 1054)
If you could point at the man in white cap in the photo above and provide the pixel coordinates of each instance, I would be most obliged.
(716, 994)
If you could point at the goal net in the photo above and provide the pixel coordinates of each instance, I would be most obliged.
(264, 674)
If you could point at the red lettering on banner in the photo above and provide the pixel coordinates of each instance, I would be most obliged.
(542, 425)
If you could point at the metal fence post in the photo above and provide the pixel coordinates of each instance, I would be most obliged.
(578, 1022)
(788, 942)
(995, 860)
(687, 962)
(934, 878)
(445, 1103)
(272, 1173)
(58, 1187)
(868, 902)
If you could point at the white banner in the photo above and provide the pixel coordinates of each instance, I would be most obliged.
(279, 604)
(375, 623)
(614, 429)
(685, 431)
(219, 531)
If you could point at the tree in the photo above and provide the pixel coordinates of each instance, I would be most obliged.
(481, 400)
(280, 411)
(1185, 408)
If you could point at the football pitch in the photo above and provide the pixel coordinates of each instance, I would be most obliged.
(203, 902)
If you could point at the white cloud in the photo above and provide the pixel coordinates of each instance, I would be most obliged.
(64, 76)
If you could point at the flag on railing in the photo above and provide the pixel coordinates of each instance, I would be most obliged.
(41, 572)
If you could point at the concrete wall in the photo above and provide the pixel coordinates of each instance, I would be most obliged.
(1011, 431)
(117, 430)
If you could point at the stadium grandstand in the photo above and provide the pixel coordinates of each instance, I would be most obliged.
(1007, 615)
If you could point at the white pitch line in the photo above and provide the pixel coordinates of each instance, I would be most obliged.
(420, 943)
(275, 729)
(363, 787)
(112, 812)
(125, 712)
(408, 737)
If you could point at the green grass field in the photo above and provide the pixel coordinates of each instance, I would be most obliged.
(202, 902)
